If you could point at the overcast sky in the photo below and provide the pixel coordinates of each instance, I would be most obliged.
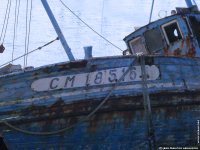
(114, 19)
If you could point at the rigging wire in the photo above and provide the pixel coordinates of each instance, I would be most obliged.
(18, 13)
(102, 19)
(15, 23)
(102, 14)
(195, 2)
(152, 6)
(6, 20)
(89, 26)
(29, 30)
(28, 24)
(39, 48)
(27, 2)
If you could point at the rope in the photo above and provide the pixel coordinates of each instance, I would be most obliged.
(80, 121)
(151, 11)
(6, 21)
(89, 26)
(39, 48)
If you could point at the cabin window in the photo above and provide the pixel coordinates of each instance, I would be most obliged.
(172, 32)
(154, 40)
(137, 46)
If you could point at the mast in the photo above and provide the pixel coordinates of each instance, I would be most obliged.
(58, 30)
(189, 3)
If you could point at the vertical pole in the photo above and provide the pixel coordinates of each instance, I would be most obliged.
(189, 3)
(58, 30)
(147, 106)
(152, 5)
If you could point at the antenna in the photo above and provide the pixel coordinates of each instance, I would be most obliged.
(151, 11)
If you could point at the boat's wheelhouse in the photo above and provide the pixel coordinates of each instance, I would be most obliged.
(176, 35)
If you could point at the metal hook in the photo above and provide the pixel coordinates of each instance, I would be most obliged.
(2, 48)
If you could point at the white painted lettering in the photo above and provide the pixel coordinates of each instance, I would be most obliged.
(102, 77)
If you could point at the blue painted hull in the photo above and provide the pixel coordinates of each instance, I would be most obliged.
(119, 124)
(175, 126)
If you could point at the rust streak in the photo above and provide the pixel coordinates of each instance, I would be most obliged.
(177, 52)
(182, 44)
(191, 52)
(166, 51)
(191, 48)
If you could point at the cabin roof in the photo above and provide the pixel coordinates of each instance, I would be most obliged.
(154, 24)
(150, 26)
(175, 35)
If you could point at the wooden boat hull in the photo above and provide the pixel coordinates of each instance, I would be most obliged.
(120, 123)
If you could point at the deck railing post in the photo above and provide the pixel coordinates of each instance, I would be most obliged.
(147, 106)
